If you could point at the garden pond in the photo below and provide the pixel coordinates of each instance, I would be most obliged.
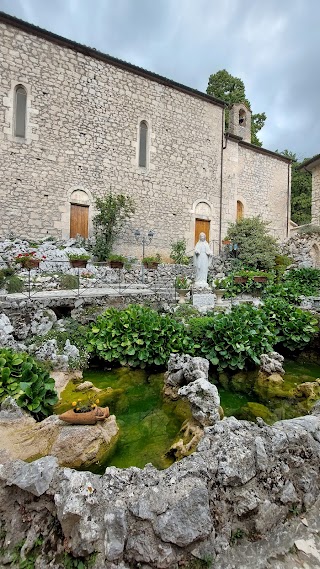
(149, 423)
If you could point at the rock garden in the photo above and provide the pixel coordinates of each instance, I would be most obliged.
(152, 433)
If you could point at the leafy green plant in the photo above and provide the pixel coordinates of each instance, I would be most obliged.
(184, 312)
(295, 283)
(152, 259)
(235, 340)
(27, 381)
(78, 256)
(118, 258)
(70, 562)
(14, 284)
(294, 327)
(68, 281)
(236, 535)
(178, 252)
(137, 336)
(256, 248)
(182, 282)
(113, 211)
(251, 286)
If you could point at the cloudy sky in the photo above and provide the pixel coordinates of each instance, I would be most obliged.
(272, 45)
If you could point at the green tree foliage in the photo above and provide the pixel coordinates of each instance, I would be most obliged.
(256, 248)
(137, 336)
(301, 188)
(28, 382)
(113, 212)
(231, 89)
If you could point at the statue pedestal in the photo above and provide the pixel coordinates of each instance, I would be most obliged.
(203, 298)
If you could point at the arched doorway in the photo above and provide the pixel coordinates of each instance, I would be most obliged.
(239, 210)
(202, 221)
(79, 214)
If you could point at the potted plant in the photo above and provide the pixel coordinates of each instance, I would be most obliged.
(182, 285)
(78, 260)
(226, 241)
(116, 261)
(239, 279)
(29, 260)
(219, 290)
(151, 262)
(85, 413)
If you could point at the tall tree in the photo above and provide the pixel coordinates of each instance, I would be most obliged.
(232, 90)
(301, 188)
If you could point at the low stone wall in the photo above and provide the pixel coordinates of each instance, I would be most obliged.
(237, 502)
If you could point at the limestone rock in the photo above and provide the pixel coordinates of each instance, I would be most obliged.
(204, 399)
(309, 389)
(272, 363)
(86, 385)
(73, 445)
(5, 324)
(43, 321)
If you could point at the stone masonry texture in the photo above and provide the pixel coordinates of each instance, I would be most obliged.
(83, 117)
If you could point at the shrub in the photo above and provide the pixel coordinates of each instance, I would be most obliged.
(256, 248)
(137, 336)
(233, 288)
(68, 281)
(235, 340)
(294, 327)
(113, 211)
(14, 284)
(296, 283)
(178, 252)
(28, 382)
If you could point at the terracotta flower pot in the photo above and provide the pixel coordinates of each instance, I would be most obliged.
(260, 279)
(116, 264)
(78, 263)
(240, 280)
(30, 264)
(153, 265)
(87, 418)
(226, 242)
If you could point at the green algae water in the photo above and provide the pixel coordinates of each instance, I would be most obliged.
(148, 423)
(282, 404)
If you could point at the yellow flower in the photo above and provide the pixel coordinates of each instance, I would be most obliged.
(74, 403)
(97, 400)
(77, 408)
(93, 406)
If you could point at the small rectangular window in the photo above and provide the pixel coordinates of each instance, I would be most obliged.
(143, 137)
(20, 112)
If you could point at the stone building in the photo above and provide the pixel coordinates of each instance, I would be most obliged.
(313, 166)
(76, 123)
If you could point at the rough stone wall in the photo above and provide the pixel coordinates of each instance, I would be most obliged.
(260, 182)
(315, 203)
(240, 501)
(83, 118)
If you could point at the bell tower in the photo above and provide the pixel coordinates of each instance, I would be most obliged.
(240, 121)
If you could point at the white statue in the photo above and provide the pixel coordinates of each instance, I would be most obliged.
(201, 259)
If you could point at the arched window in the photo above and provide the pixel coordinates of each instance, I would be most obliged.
(239, 210)
(242, 117)
(20, 111)
(143, 139)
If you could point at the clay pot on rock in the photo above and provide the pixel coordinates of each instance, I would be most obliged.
(87, 418)
(30, 264)
(78, 263)
(240, 280)
(116, 264)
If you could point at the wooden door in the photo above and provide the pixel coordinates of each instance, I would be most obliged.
(79, 220)
(239, 210)
(202, 226)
